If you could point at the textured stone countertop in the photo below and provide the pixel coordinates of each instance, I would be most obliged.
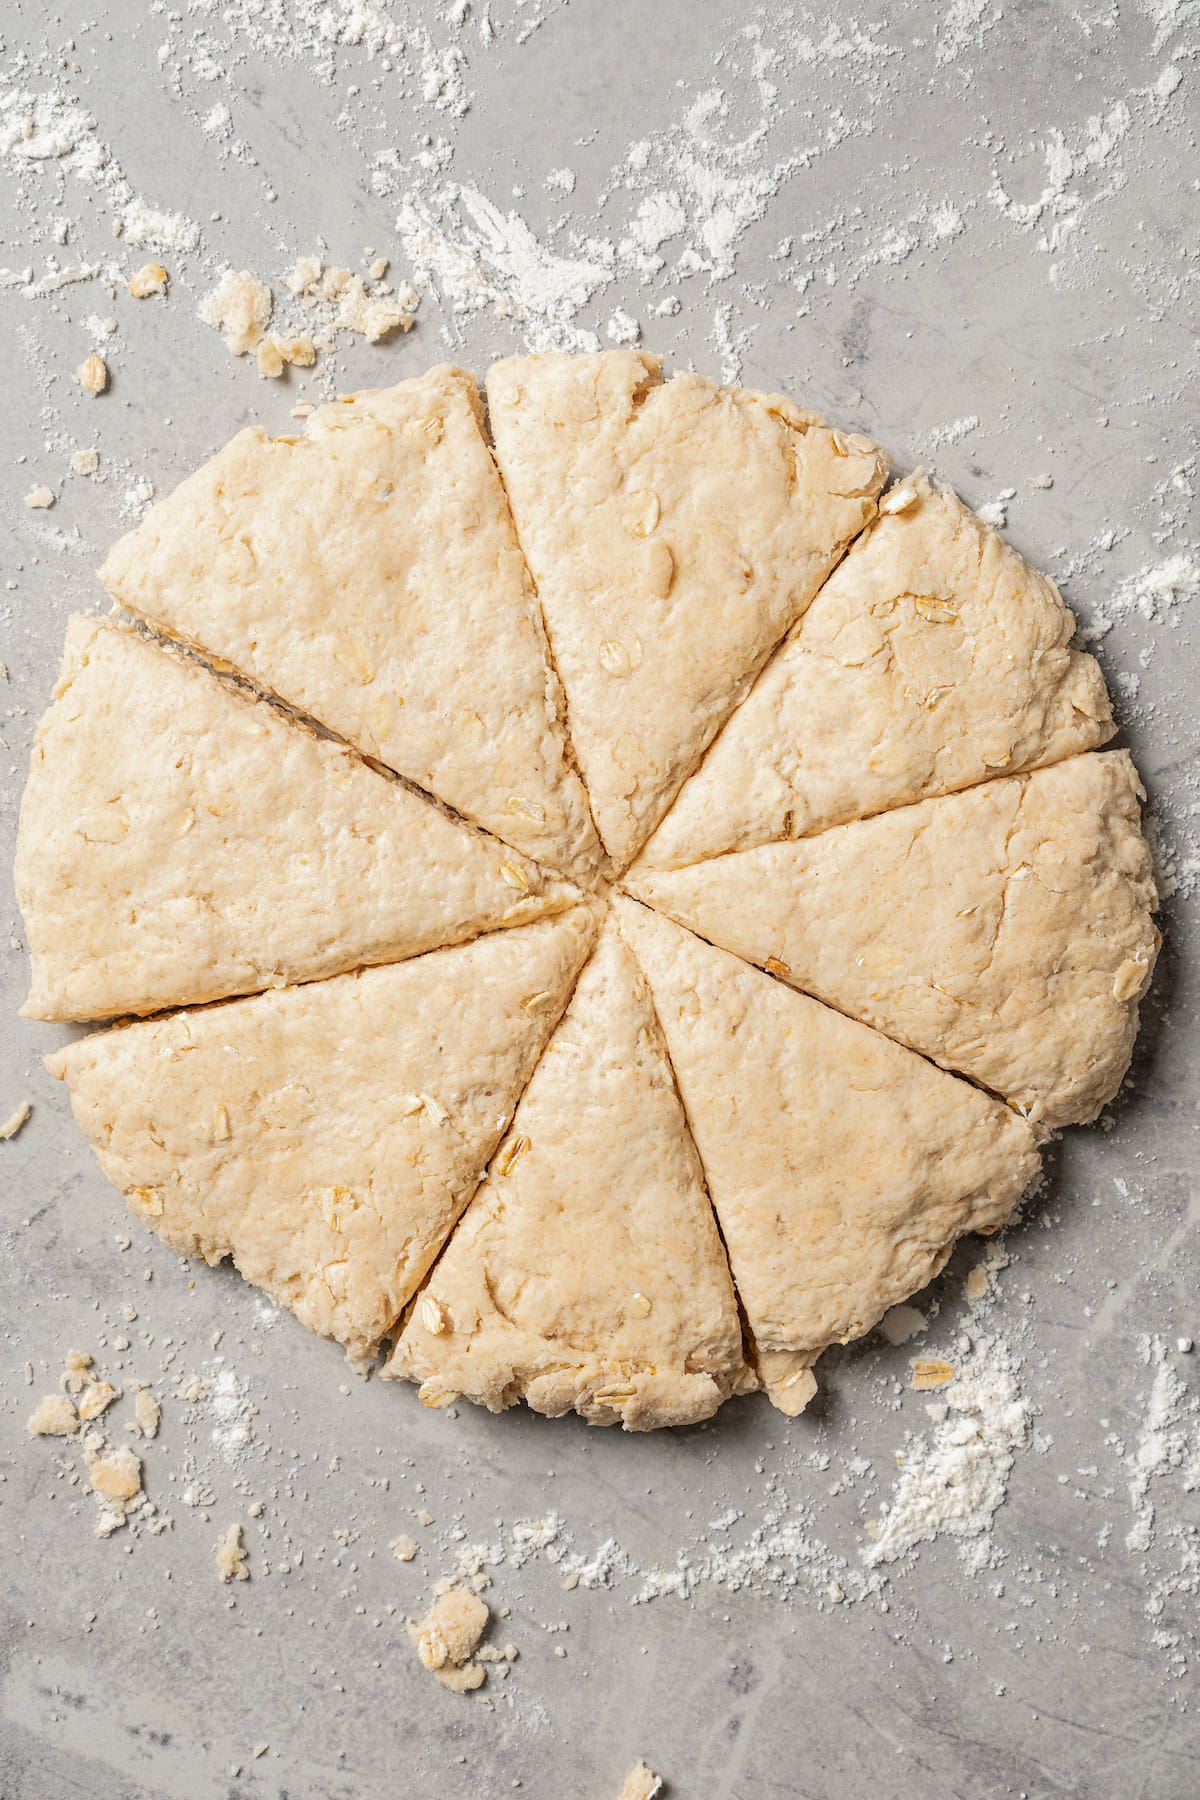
(967, 229)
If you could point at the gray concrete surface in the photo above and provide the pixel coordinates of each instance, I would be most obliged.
(890, 280)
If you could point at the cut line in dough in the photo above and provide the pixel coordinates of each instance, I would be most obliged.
(367, 572)
(587, 1272)
(933, 658)
(182, 841)
(326, 1137)
(841, 1166)
(1005, 932)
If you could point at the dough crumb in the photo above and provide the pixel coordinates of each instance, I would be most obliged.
(14, 1121)
(147, 281)
(275, 353)
(54, 1416)
(38, 498)
(85, 462)
(978, 1282)
(92, 374)
(374, 316)
(117, 1475)
(404, 1547)
(304, 277)
(232, 1564)
(238, 307)
(147, 1413)
(447, 1636)
(96, 1398)
(641, 1783)
(77, 1371)
(900, 1323)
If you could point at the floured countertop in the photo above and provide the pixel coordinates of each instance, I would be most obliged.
(972, 1569)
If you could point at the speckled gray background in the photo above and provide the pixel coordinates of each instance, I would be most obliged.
(126, 1669)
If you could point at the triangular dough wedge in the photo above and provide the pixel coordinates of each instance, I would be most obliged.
(841, 1166)
(675, 531)
(368, 573)
(181, 840)
(588, 1271)
(1004, 931)
(326, 1137)
(933, 658)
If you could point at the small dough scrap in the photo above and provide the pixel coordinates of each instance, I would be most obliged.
(368, 573)
(446, 1639)
(675, 531)
(933, 658)
(1005, 932)
(327, 1136)
(53, 1416)
(115, 1474)
(641, 1783)
(231, 1556)
(841, 1166)
(588, 1271)
(182, 841)
(147, 1413)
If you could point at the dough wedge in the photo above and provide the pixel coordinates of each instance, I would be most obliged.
(326, 1137)
(1005, 932)
(182, 841)
(587, 1271)
(933, 658)
(368, 573)
(841, 1166)
(675, 531)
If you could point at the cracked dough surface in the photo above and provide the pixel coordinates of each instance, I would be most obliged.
(367, 572)
(180, 841)
(675, 530)
(854, 840)
(325, 1137)
(1005, 931)
(933, 658)
(587, 1271)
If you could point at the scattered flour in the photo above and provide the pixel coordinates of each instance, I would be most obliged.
(954, 1480)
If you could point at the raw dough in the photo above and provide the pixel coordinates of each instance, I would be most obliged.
(368, 573)
(503, 1154)
(841, 1166)
(1004, 931)
(675, 531)
(180, 841)
(934, 657)
(587, 1272)
(326, 1137)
